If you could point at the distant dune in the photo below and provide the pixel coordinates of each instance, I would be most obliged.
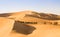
(32, 14)
(32, 24)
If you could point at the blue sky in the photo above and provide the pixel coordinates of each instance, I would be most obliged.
(47, 6)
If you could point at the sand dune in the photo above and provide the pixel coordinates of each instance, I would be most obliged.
(31, 24)
(19, 15)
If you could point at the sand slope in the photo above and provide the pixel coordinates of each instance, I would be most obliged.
(46, 25)
(6, 26)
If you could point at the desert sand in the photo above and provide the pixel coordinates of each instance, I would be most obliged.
(31, 24)
(6, 26)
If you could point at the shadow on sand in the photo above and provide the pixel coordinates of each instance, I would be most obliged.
(23, 28)
(5, 14)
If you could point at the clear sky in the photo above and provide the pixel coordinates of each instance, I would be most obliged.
(48, 6)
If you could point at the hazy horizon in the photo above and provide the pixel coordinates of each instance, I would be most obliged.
(47, 6)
